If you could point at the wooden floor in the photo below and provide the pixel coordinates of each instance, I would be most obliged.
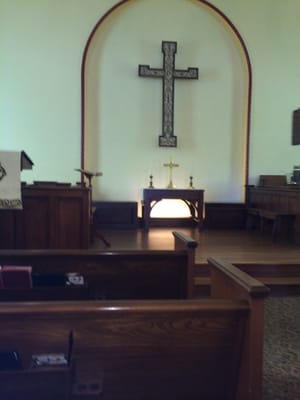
(235, 246)
(277, 265)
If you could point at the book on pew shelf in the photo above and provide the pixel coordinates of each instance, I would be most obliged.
(49, 360)
(16, 276)
(1, 279)
(10, 360)
(54, 359)
(47, 279)
(74, 279)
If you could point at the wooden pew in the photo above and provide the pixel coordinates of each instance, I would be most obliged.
(204, 349)
(140, 274)
(229, 282)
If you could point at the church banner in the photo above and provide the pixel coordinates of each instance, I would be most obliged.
(10, 180)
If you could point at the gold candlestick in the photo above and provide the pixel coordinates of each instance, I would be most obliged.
(191, 186)
(151, 182)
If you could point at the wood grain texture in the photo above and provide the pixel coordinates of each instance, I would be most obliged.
(54, 216)
(181, 349)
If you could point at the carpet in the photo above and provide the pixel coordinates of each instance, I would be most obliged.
(281, 377)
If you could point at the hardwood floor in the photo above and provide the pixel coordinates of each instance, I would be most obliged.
(235, 246)
(277, 264)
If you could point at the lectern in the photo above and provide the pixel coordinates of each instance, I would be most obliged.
(55, 215)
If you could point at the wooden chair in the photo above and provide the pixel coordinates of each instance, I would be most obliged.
(281, 223)
(272, 180)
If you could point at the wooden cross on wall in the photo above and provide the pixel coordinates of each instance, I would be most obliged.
(168, 74)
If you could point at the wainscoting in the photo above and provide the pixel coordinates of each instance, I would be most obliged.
(115, 215)
(224, 215)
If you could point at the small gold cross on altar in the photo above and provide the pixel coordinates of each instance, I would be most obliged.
(171, 165)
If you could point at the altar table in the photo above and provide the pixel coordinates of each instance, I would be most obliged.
(192, 197)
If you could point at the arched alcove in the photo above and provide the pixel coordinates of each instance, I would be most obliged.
(128, 138)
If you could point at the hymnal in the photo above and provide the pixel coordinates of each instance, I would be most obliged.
(10, 360)
(16, 276)
(49, 360)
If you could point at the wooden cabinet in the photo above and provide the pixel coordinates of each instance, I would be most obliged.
(53, 216)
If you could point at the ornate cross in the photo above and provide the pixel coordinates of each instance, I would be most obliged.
(168, 74)
(171, 165)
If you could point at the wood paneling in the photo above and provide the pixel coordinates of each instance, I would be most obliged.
(224, 215)
(115, 214)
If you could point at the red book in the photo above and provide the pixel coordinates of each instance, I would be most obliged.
(1, 280)
(16, 276)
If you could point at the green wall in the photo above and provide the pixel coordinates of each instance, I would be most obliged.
(42, 43)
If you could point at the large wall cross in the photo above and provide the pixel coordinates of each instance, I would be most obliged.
(168, 74)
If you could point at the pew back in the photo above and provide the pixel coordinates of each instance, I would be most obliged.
(229, 282)
(208, 349)
(140, 349)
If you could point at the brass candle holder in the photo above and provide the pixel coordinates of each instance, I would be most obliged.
(151, 182)
(191, 185)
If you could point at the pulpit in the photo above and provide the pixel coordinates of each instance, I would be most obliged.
(54, 216)
(43, 215)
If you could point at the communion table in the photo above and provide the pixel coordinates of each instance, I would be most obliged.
(194, 198)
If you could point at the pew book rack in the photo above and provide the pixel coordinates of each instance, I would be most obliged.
(160, 274)
(36, 383)
(39, 377)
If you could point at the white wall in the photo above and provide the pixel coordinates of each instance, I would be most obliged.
(124, 110)
(42, 42)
